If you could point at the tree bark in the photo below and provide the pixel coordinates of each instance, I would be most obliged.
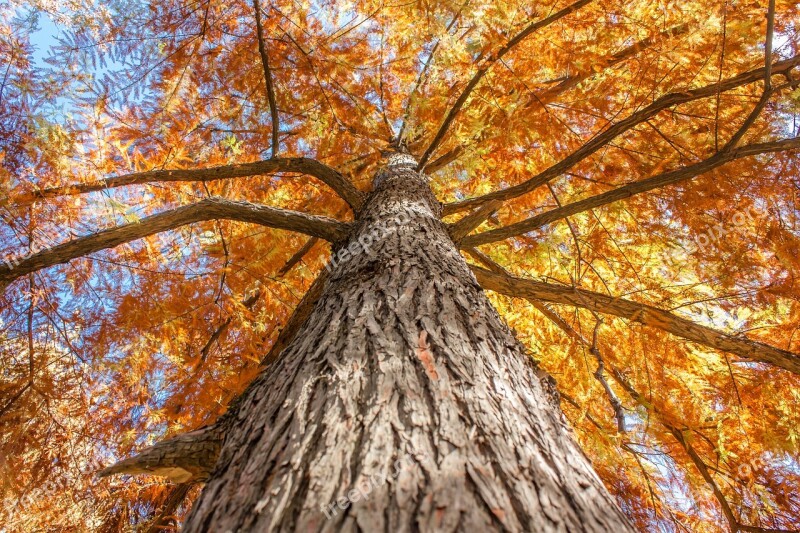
(404, 403)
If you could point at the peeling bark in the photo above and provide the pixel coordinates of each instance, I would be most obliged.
(403, 403)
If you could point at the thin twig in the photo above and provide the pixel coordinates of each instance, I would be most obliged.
(297, 256)
(14, 399)
(423, 75)
(719, 75)
(478, 76)
(768, 46)
(554, 317)
(573, 232)
(262, 50)
(248, 303)
(599, 375)
(698, 462)
(462, 228)
(165, 521)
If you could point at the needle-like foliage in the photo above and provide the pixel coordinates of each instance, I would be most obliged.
(623, 175)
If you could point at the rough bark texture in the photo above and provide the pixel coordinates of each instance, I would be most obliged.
(403, 404)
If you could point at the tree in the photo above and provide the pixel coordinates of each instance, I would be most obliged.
(331, 266)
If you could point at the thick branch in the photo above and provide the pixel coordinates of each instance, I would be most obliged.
(486, 261)
(626, 191)
(462, 228)
(444, 160)
(187, 457)
(300, 165)
(208, 209)
(451, 115)
(262, 51)
(602, 139)
(637, 312)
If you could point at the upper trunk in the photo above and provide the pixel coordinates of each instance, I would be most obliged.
(404, 403)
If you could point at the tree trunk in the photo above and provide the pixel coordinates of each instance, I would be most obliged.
(404, 403)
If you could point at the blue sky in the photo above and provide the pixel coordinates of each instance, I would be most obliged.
(43, 39)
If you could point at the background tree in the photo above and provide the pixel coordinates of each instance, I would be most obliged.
(621, 175)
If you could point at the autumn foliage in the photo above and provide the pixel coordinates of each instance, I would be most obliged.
(128, 345)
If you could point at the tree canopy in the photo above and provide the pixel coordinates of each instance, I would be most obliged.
(622, 175)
